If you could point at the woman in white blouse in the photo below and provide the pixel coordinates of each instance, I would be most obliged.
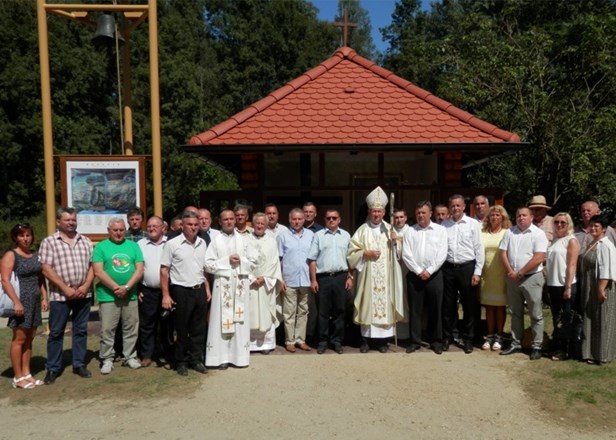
(561, 265)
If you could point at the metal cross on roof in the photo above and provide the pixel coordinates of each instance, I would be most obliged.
(345, 25)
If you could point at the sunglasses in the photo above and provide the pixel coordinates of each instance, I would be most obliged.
(332, 218)
(560, 223)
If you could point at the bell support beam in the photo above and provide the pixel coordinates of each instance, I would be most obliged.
(134, 15)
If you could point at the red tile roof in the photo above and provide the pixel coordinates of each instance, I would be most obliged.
(348, 99)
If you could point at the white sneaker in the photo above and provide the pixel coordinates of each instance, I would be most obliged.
(107, 366)
(486, 345)
(132, 363)
(496, 346)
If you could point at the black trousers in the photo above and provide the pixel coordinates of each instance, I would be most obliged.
(457, 284)
(331, 300)
(190, 325)
(430, 294)
(149, 322)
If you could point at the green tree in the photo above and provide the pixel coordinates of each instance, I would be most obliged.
(542, 69)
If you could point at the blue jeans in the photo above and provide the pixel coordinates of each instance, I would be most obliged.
(59, 312)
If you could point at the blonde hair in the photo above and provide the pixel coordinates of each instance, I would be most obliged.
(506, 224)
(569, 221)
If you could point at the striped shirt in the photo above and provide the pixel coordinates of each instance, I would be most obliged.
(71, 263)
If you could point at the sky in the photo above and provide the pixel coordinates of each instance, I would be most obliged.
(379, 10)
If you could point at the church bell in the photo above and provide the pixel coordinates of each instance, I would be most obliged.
(106, 31)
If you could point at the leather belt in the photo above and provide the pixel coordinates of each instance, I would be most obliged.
(196, 287)
(454, 265)
(331, 274)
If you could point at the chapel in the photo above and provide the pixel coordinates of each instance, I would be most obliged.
(334, 133)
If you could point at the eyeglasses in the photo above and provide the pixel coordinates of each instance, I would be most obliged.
(559, 223)
(154, 226)
(332, 218)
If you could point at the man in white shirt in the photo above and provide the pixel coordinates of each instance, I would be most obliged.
(461, 273)
(424, 252)
(150, 294)
(183, 284)
(481, 205)
(273, 227)
(523, 251)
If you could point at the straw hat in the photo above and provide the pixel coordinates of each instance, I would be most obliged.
(538, 202)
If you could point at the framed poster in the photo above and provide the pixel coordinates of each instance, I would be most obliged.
(101, 187)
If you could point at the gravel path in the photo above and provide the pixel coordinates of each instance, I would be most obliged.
(353, 396)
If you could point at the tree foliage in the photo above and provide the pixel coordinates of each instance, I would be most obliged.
(544, 70)
(215, 58)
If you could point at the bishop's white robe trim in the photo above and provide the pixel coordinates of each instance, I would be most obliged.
(379, 302)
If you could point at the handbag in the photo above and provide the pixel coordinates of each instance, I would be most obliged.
(7, 308)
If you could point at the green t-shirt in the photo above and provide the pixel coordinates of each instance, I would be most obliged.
(119, 263)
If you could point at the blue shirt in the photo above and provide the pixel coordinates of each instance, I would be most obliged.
(293, 248)
(329, 250)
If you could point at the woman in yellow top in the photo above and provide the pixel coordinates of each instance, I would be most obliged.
(493, 292)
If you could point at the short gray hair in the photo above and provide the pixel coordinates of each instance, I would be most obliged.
(116, 219)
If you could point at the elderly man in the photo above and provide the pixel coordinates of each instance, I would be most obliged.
(330, 279)
(273, 227)
(66, 260)
(379, 302)
(183, 285)
(150, 293)
(588, 210)
(118, 264)
(481, 205)
(522, 250)
(242, 213)
(230, 259)
(441, 213)
(461, 273)
(135, 220)
(539, 209)
(265, 282)
(293, 248)
(205, 225)
(425, 251)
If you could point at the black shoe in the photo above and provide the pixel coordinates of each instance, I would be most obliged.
(82, 372)
(383, 348)
(338, 348)
(511, 350)
(437, 348)
(535, 354)
(182, 370)
(199, 367)
(365, 348)
(50, 377)
(223, 366)
(411, 348)
(468, 347)
(446, 345)
(321, 348)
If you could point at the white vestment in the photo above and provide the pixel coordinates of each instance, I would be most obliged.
(263, 299)
(379, 301)
(402, 328)
(228, 339)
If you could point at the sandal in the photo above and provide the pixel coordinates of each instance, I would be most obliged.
(36, 382)
(486, 345)
(28, 386)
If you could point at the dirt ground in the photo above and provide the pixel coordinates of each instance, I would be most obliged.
(306, 396)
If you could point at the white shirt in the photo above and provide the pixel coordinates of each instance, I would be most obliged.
(152, 253)
(275, 231)
(522, 245)
(186, 262)
(464, 242)
(556, 261)
(425, 249)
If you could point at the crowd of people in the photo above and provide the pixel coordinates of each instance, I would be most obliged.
(202, 298)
